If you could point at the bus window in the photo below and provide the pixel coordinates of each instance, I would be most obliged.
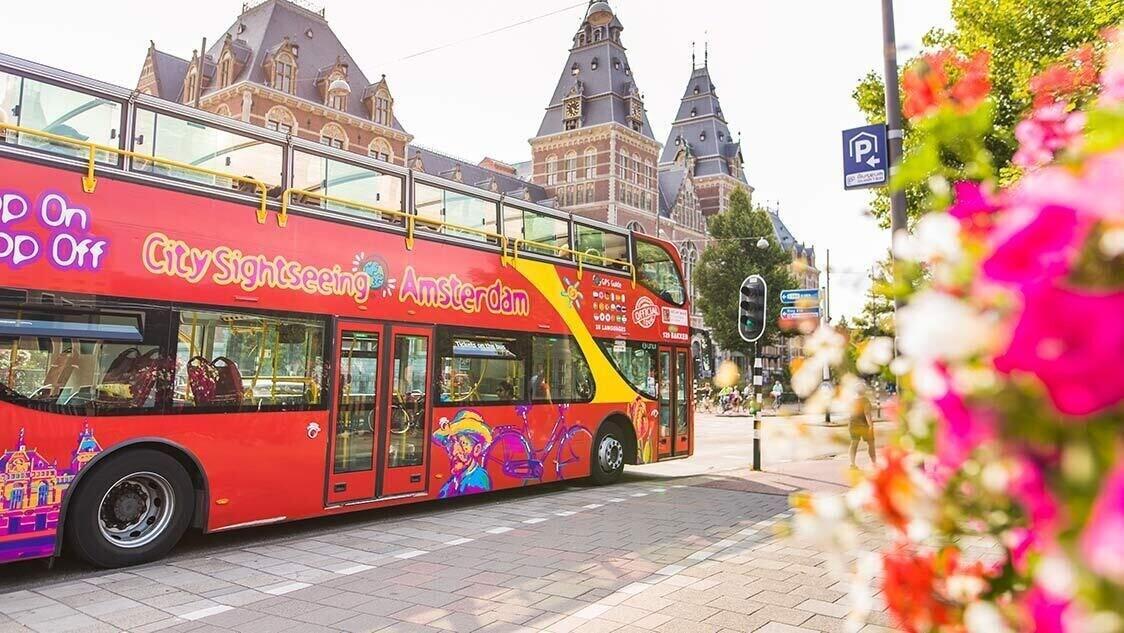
(559, 372)
(337, 179)
(480, 368)
(440, 206)
(601, 244)
(92, 363)
(41, 106)
(548, 232)
(236, 361)
(199, 145)
(658, 272)
(636, 361)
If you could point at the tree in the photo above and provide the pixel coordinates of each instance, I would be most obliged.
(1023, 37)
(732, 255)
(877, 316)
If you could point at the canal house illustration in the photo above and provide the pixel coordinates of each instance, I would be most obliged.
(31, 487)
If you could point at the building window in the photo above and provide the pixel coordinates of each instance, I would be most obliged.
(590, 163)
(284, 71)
(226, 66)
(552, 170)
(382, 109)
(571, 167)
(589, 193)
(380, 149)
(280, 119)
(333, 135)
(190, 87)
(337, 101)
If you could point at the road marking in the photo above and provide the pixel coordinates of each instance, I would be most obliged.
(347, 571)
(202, 613)
(499, 530)
(459, 541)
(640, 494)
(535, 520)
(615, 500)
(411, 553)
(593, 505)
(565, 513)
(659, 489)
(284, 588)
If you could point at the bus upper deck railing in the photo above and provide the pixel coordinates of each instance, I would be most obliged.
(90, 181)
(91, 151)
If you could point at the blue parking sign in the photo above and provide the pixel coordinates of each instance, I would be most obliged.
(866, 160)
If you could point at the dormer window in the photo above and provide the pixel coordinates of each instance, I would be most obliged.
(575, 69)
(337, 101)
(284, 71)
(598, 34)
(593, 64)
(616, 64)
(696, 89)
(226, 71)
(702, 135)
(382, 109)
(191, 85)
(694, 112)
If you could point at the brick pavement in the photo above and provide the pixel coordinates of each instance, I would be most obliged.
(669, 555)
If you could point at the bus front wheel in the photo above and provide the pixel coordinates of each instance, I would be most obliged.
(132, 509)
(608, 455)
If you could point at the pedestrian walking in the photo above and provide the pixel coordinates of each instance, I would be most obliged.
(861, 427)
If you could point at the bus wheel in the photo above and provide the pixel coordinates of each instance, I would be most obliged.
(608, 455)
(132, 509)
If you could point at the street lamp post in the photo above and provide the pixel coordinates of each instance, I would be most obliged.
(898, 221)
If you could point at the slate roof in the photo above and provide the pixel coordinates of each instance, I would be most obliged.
(670, 182)
(260, 31)
(701, 126)
(786, 239)
(437, 164)
(605, 89)
(170, 73)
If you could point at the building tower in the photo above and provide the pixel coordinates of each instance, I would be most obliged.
(700, 143)
(594, 151)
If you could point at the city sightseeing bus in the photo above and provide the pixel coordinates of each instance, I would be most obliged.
(206, 323)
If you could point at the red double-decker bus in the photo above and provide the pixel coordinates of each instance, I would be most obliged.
(205, 323)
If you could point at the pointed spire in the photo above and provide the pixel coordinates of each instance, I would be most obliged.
(692, 56)
(706, 51)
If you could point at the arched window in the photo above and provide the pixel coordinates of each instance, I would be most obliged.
(281, 119)
(15, 499)
(690, 256)
(380, 149)
(622, 164)
(285, 73)
(571, 166)
(226, 70)
(336, 99)
(636, 227)
(552, 170)
(591, 163)
(190, 86)
(636, 167)
(222, 110)
(333, 135)
(44, 493)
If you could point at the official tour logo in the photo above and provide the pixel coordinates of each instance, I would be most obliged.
(645, 312)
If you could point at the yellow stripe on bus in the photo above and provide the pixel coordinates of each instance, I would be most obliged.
(611, 387)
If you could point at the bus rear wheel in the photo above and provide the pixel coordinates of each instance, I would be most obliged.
(132, 509)
(608, 455)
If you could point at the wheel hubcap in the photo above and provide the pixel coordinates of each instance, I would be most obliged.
(610, 453)
(136, 510)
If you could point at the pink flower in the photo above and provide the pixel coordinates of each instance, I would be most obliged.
(960, 430)
(1102, 543)
(1112, 79)
(1047, 131)
(1041, 248)
(1018, 541)
(1047, 613)
(1073, 341)
(1103, 185)
(974, 207)
(1028, 488)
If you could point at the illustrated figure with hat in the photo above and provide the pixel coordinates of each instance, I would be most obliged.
(466, 440)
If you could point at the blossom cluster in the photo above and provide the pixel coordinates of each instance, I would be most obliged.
(1011, 347)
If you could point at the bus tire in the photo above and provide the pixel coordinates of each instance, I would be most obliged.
(132, 509)
(607, 461)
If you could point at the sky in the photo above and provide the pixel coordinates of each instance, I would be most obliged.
(784, 71)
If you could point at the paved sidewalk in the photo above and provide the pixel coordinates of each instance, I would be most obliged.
(689, 554)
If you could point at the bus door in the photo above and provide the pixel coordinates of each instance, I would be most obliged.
(379, 413)
(674, 403)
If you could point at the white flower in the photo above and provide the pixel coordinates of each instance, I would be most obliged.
(938, 237)
(928, 382)
(984, 617)
(1112, 242)
(876, 353)
(964, 588)
(808, 377)
(826, 341)
(1056, 575)
(937, 326)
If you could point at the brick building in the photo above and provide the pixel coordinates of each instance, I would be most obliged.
(279, 65)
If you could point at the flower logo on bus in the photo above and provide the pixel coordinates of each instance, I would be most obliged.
(572, 293)
(375, 267)
(645, 312)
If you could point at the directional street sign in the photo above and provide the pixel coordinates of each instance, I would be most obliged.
(800, 313)
(866, 161)
(800, 294)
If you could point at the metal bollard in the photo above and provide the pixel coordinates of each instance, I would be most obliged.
(757, 439)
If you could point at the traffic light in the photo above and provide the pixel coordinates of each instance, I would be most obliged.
(751, 308)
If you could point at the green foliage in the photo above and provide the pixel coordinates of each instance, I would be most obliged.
(1023, 38)
(730, 257)
(877, 316)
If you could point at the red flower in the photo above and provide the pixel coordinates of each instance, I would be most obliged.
(944, 77)
(1062, 81)
(893, 490)
(916, 590)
